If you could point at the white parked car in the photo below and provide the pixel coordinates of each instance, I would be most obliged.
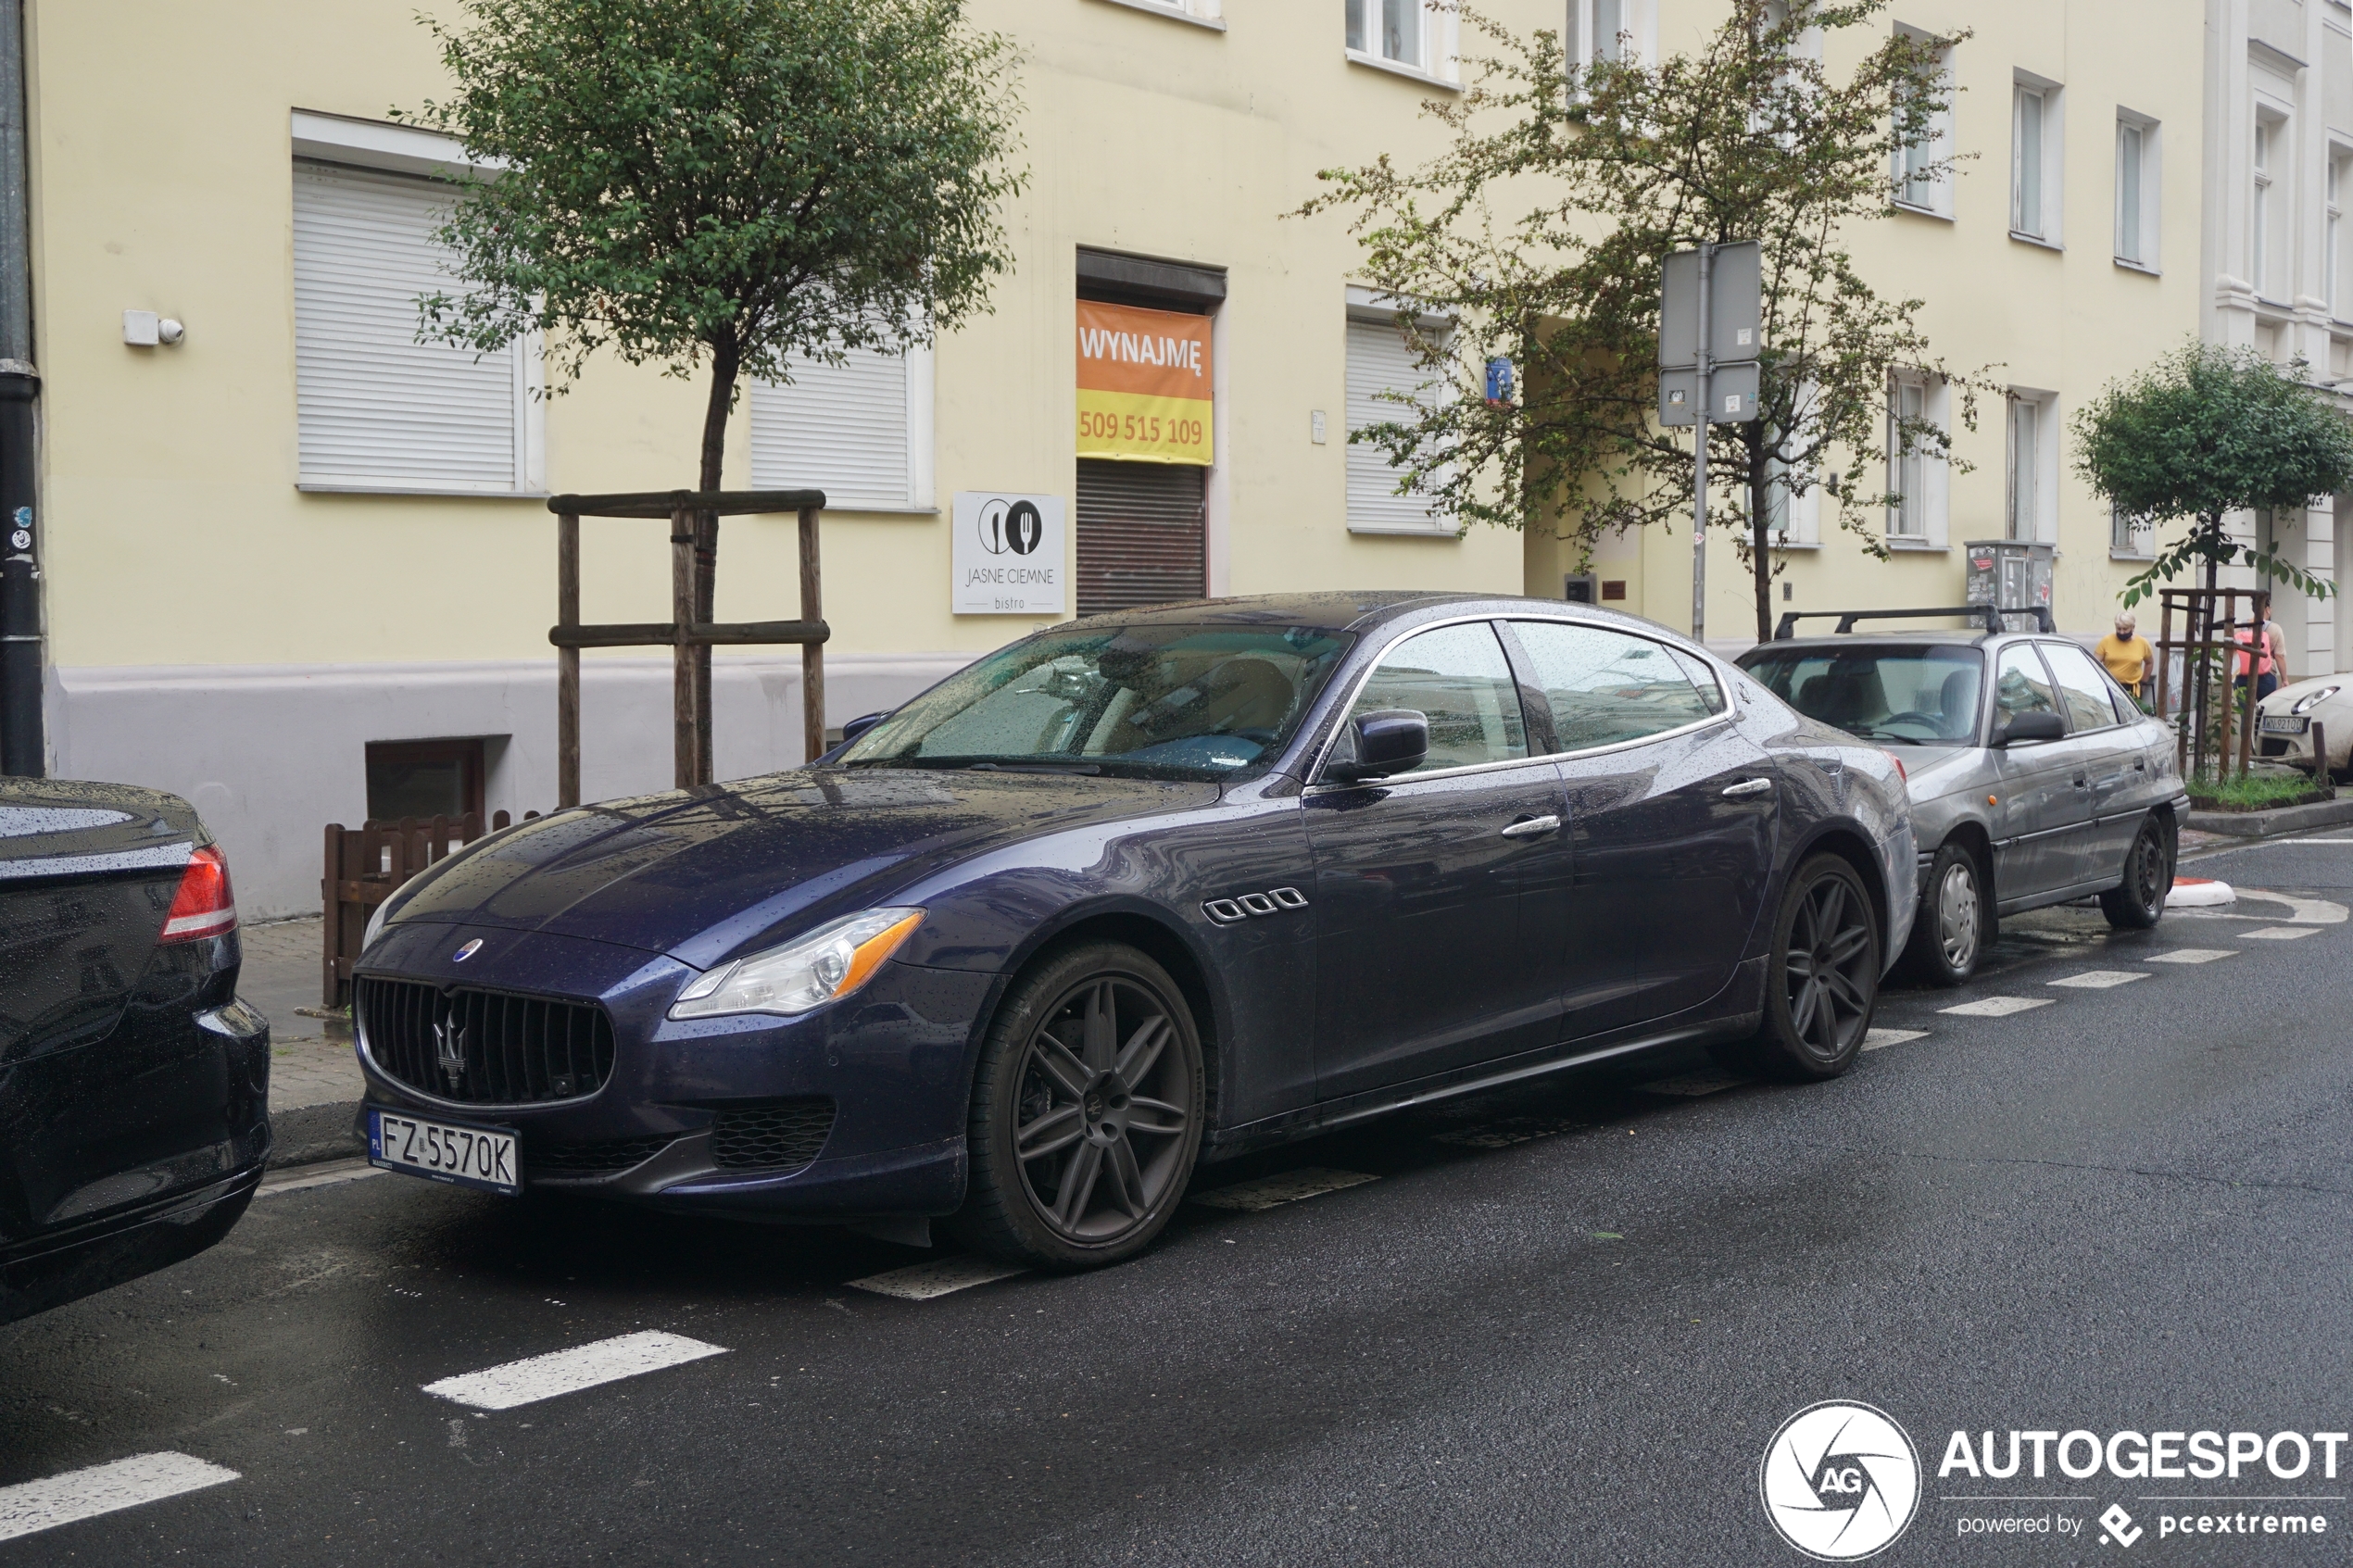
(2283, 722)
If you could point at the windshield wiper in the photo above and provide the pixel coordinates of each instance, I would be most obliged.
(1032, 768)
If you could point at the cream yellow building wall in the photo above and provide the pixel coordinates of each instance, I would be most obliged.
(217, 631)
(2066, 320)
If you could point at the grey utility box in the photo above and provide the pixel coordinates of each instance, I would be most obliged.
(2011, 574)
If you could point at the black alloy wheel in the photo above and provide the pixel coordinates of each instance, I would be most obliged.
(2138, 902)
(1823, 982)
(1956, 922)
(1086, 1113)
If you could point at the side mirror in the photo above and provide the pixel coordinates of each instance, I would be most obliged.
(2029, 726)
(854, 727)
(1394, 740)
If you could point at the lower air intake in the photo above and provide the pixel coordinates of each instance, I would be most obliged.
(781, 1136)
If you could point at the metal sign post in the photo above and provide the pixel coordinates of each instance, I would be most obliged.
(1709, 331)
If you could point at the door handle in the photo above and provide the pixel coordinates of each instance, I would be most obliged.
(1532, 827)
(2082, 783)
(1752, 787)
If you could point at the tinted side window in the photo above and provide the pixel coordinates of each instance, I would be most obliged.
(2021, 685)
(2082, 687)
(1606, 686)
(1457, 675)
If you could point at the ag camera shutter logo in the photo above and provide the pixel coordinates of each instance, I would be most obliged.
(1840, 1481)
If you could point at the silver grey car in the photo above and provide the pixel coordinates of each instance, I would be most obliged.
(2035, 780)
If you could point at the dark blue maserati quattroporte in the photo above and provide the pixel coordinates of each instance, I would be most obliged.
(1134, 893)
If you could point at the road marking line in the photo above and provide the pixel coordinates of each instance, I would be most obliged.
(2100, 979)
(1504, 1134)
(2280, 933)
(1998, 1006)
(921, 1281)
(2192, 955)
(37, 1506)
(567, 1371)
(1691, 1085)
(313, 1176)
(1272, 1192)
(1879, 1039)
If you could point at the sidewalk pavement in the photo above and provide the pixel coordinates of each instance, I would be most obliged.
(314, 1077)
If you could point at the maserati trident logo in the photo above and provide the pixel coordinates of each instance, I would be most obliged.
(450, 1046)
(468, 950)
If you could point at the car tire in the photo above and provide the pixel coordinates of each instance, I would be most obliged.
(1821, 981)
(2138, 902)
(1086, 1113)
(1956, 923)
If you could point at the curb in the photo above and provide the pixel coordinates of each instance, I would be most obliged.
(2273, 823)
(315, 1132)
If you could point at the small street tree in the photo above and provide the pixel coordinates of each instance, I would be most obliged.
(2204, 433)
(721, 185)
(1540, 231)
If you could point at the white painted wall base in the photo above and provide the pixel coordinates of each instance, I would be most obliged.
(272, 754)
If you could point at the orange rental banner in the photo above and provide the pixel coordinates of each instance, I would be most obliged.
(1143, 384)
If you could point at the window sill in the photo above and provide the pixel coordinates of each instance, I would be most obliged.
(2130, 554)
(2143, 267)
(1915, 210)
(1919, 547)
(869, 508)
(1411, 73)
(1405, 530)
(1793, 544)
(2037, 240)
(388, 487)
(1215, 24)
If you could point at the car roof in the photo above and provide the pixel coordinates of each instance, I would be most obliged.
(1852, 640)
(1338, 611)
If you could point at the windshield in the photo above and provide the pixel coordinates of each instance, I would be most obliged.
(1919, 695)
(1153, 701)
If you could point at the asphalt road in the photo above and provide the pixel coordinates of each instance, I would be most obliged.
(1560, 1327)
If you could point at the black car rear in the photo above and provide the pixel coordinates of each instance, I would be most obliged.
(133, 1085)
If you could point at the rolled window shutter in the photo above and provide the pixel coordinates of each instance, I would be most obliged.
(1379, 360)
(1142, 534)
(376, 406)
(841, 429)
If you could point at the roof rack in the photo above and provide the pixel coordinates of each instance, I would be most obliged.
(1989, 615)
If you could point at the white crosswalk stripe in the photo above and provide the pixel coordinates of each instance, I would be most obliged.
(2192, 955)
(35, 1506)
(1879, 1039)
(2280, 932)
(921, 1281)
(2100, 979)
(567, 1371)
(1997, 1006)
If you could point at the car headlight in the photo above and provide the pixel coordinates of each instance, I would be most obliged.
(2311, 700)
(806, 972)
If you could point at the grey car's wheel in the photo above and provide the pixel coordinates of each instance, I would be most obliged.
(1086, 1113)
(2138, 902)
(1823, 982)
(1955, 920)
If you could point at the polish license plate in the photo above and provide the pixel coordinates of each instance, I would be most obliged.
(480, 1158)
(2281, 724)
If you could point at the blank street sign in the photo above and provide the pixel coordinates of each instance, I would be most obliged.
(1735, 303)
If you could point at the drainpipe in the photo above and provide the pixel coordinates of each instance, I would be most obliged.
(22, 749)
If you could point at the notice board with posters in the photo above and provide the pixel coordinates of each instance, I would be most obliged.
(1144, 380)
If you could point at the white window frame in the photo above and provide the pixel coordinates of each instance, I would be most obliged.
(2130, 537)
(1933, 495)
(1368, 307)
(400, 149)
(1440, 40)
(2271, 197)
(1635, 38)
(2031, 479)
(921, 494)
(2145, 213)
(1914, 193)
(2338, 186)
(1201, 13)
(2038, 160)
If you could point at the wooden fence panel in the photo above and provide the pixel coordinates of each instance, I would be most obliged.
(366, 865)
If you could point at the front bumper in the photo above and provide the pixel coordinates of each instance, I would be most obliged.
(877, 1086)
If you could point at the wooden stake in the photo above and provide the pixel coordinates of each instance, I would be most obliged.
(686, 723)
(568, 660)
(813, 655)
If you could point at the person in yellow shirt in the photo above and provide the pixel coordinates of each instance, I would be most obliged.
(2128, 656)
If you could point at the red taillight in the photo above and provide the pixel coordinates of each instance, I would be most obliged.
(1901, 772)
(204, 906)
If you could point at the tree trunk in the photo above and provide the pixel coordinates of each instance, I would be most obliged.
(1760, 527)
(724, 365)
(2201, 739)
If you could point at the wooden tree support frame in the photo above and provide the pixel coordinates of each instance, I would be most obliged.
(2211, 620)
(682, 633)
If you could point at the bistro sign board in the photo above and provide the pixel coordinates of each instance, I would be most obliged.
(1143, 384)
(1009, 555)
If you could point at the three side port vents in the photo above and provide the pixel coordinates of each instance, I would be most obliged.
(1275, 901)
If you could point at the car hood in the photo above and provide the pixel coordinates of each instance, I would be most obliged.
(2286, 697)
(1933, 771)
(704, 874)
